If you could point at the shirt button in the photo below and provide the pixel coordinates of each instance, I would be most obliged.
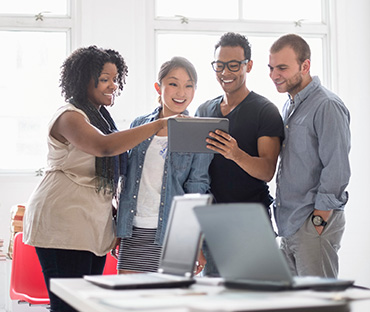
(287, 126)
(132, 211)
(134, 196)
(137, 181)
(149, 139)
(162, 203)
(160, 219)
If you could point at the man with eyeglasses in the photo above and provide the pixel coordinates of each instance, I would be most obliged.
(314, 168)
(247, 155)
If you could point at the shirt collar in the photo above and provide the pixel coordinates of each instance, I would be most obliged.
(303, 94)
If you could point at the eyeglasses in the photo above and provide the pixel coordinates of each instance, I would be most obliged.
(233, 65)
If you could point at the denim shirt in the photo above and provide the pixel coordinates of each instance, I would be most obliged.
(183, 173)
(314, 168)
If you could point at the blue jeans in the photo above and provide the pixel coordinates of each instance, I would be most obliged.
(64, 263)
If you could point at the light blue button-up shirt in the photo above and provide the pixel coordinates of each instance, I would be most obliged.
(314, 167)
(183, 173)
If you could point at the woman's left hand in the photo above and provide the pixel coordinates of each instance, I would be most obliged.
(113, 251)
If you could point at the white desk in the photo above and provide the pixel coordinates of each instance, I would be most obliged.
(86, 297)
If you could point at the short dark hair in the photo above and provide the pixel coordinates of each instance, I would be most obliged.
(178, 62)
(83, 65)
(297, 43)
(231, 39)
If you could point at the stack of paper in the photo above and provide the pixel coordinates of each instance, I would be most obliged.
(2, 254)
(16, 225)
(17, 214)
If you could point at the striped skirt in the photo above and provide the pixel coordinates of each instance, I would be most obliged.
(139, 252)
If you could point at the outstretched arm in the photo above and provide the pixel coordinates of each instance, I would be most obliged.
(73, 127)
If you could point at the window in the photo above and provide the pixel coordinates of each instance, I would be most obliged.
(181, 30)
(38, 37)
(282, 10)
(206, 9)
(258, 10)
(258, 80)
(193, 33)
(24, 7)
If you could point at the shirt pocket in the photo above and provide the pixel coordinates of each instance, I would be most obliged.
(298, 138)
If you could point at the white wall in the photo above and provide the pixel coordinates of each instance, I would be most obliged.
(121, 24)
(354, 88)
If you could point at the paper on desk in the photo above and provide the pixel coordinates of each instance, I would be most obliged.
(153, 299)
(212, 281)
(259, 301)
(245, 301)
(143, 304)
(347, 295)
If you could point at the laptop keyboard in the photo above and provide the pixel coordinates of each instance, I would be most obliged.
(151, 277)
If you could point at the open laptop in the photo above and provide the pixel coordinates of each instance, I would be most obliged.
(243, 245)
(188, 134)
(179, 254)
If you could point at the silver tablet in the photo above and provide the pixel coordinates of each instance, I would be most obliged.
(189, 134)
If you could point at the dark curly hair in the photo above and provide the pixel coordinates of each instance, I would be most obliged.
(78, 69)
(84, 64)
(231, 39)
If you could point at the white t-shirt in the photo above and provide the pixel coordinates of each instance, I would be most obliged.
(151, 184)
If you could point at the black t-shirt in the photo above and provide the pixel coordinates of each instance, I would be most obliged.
(253, 118)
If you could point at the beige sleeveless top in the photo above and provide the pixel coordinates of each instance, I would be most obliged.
(65, 211)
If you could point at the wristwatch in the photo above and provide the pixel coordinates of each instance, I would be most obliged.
(318, 221)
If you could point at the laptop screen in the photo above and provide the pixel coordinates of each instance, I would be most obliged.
(183, 235)
(244, 231)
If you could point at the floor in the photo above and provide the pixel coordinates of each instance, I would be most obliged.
(24, 307)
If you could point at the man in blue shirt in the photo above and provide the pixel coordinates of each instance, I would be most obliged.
(314, 168)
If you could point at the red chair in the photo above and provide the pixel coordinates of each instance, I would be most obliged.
(27, 281)
(110, 265)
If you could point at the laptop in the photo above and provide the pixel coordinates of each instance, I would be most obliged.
(188, 134)
(243, 244)
(180, 251)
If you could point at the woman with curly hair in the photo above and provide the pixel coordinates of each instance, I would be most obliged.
(69, 216)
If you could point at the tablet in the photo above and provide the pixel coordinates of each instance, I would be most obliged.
(188, 134)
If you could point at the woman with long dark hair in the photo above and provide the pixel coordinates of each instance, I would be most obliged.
(69, 216)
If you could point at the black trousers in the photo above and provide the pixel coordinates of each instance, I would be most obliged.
(64, 263)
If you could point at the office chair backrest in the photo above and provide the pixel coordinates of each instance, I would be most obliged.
(27, 281)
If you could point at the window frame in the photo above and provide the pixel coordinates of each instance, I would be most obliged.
(326, 31)
(50, 23)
